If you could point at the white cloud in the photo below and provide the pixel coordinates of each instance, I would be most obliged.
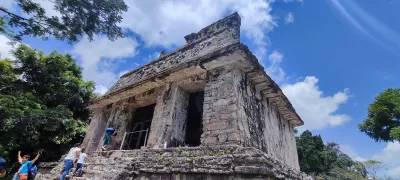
(123, 72)
(364, 22)
(394, 172)
(273, 69)
(166, 22)
(288, 1)
(8, 4)
(289, 18)
(350, 152)
(49, 7)
(152, 56)
(100, 57)
(317, 110)
(390, 155)
(100, 89)
(5, 48)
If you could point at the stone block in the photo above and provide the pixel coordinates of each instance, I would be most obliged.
(223, 137)
(215, 126)
(230, 116)
(234, 137)
(209, 141)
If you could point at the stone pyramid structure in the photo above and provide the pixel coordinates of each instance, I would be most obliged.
(207, 110)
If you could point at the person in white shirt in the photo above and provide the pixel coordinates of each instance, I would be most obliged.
(69, 160)
(79, 165)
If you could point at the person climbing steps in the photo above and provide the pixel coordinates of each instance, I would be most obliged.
(81, 161)
(108, 137)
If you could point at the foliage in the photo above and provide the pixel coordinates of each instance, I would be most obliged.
(326, 161)
(77, 18)
(383, 122)
(43, 103)
(373, 166)
(310, 150)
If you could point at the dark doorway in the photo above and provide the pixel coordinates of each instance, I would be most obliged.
(140, 127)
(194, 121)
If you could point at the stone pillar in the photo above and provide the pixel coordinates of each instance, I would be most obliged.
(96, 117)
(250, 112)
(95, 130)
(179, 117)
(219, 109)
(168, 124)
(120, 120)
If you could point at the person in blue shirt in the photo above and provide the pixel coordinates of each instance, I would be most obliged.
(3, 165)
(22, 173)
(108, 136)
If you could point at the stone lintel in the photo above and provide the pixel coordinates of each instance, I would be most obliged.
(233, 56)
(193, 67)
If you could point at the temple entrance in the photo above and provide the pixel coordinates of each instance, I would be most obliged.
(194, 120)
(140, 128)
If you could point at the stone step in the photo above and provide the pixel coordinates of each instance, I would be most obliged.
(79, 178)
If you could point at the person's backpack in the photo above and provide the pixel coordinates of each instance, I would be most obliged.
(32, 172)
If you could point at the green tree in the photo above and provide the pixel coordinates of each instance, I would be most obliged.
(43, 103)
(383, 122)
(77, 18)
(373, 167)
(310, 150)
(326, 160)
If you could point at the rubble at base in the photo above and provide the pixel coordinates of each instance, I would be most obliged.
(183, 163)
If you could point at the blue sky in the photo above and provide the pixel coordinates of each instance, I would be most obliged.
(331, 57)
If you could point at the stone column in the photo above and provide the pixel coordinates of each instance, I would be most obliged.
(168, 124)
(219, 114)
(95, 130)
(96, 118)
(120, 120)
(179, 117)
(250, 112)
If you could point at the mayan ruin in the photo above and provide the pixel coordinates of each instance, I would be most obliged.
(207, 110)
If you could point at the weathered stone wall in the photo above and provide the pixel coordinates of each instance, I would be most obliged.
(194, 176)
(219, 109)
(279, 136)
(249, 112)
(260, 123)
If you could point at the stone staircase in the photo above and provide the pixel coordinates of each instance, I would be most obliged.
(98, 165)
(219, 162)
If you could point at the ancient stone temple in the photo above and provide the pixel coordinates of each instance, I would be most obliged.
(207, 110)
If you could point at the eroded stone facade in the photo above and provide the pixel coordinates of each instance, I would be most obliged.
(242, 109)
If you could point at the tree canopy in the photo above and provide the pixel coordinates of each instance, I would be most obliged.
(43, 103)
(326, 160)
(77, 18)
(383, 121)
